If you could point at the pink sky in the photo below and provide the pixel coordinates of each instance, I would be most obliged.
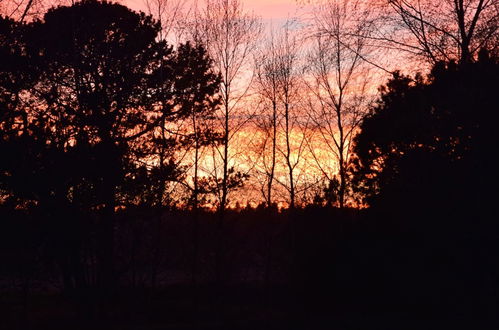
(266, 9)
(272, 9)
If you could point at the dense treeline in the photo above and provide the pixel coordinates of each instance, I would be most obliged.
(98, 112)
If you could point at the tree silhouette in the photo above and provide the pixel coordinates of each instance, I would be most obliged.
(19, 181)
(426, 164)
(449, 30)
(340, 78)
(195, 88)
(230, 35)
(427, 134)
(102, 82)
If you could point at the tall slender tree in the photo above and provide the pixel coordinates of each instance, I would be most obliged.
(229, 35)
(294, 122)
(267, 85)
(339, 86)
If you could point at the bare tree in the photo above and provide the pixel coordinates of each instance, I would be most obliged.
(268, 88)
(230, 35)
(439, 30)
(282, 123)
(293, 124)
(23, 10)
(169, 14)
(338, 83)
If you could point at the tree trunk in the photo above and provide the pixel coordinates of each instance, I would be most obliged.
(288, 158)
(223, 202)
(274, 146)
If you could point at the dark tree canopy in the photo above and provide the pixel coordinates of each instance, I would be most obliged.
(84, 94)
(431, 140)
(95, 79)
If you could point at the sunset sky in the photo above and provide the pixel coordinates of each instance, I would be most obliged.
(280, 164)
(269, 10)
(305, 154)
(245, 147)
(272, 9)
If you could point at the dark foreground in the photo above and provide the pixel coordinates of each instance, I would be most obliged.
(316, 268)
